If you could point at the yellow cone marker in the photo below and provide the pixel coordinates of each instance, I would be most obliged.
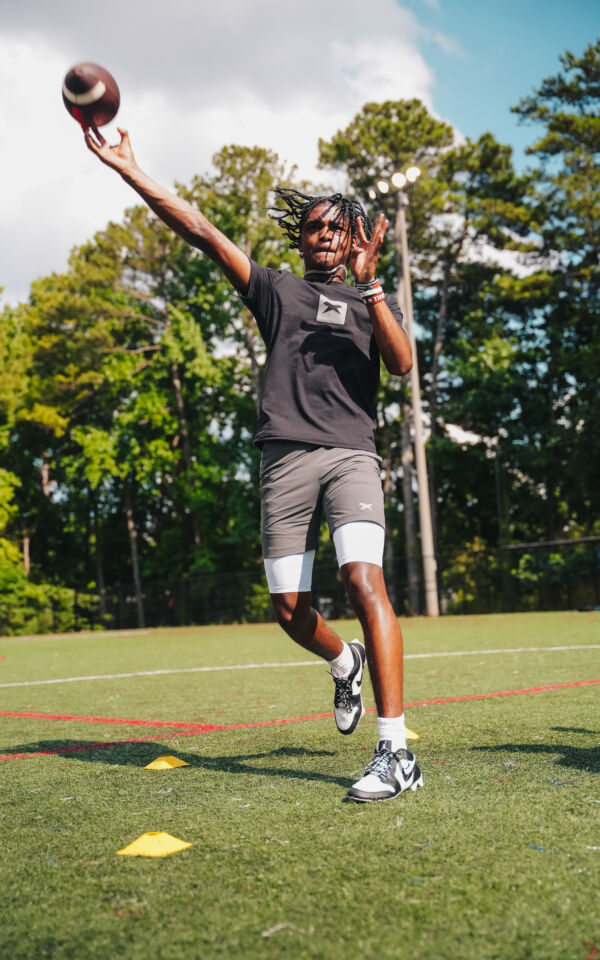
(153, 844)
(411, 735)
(166, 763)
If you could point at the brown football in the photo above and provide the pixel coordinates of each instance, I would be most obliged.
(90, 94)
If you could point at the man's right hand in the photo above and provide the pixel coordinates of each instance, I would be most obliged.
(177, 213)
(120, 157)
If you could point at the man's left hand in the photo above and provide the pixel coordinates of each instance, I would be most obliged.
(364, 255)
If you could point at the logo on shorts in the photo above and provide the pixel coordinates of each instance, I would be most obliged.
(331, 311)
(365, 506)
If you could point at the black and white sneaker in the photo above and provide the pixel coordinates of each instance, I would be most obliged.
(387, 775)
(348, 706)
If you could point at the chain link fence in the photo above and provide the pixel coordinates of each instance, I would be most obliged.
(557, 575)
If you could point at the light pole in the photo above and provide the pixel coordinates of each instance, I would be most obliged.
(399, 180)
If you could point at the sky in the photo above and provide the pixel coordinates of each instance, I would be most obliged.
(196, 75)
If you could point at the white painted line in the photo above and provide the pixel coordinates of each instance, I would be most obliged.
(161, 673)
(473, 653)
(297, 663)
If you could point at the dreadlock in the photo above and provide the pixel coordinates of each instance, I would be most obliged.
(297, 206)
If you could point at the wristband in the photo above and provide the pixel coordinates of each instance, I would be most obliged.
(362, 287)
(367, 294)
(376, 298)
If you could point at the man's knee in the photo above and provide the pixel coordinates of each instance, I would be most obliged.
(292, 610)
(364, 584)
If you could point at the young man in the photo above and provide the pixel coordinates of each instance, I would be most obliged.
(324, 341)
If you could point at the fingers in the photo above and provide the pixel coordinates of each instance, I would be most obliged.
(377, 235)
(373, 245)
(91, 143)
(365, 250)
(380, 228)
(362, 236)
(98, 135)
(384, 224)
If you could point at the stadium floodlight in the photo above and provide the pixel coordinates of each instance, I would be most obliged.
(412, 174)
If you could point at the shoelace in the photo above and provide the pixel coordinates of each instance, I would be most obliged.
(343, 692)
(380, 764)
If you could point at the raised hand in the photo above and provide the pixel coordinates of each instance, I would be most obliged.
(120, 157)
(364, 255)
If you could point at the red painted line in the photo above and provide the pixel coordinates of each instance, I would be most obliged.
(190, 729)
(209, 727)
(503, 693)
(182, 725)
(117, 720)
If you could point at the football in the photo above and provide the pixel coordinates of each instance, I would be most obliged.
(90, 94)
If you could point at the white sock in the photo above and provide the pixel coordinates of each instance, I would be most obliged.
(394, 730)
(343, 664)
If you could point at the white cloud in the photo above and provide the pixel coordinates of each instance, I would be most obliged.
(376, 68)
(269, 73)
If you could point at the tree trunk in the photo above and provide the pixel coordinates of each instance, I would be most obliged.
(101, 586)
(100, 583)
(45, 475)
(26, 554)
(438, 345)
(388, 552)
(436, 352)
(135, 563)
(549, 452)
(410, 525)
(183, 427)
(499, 520)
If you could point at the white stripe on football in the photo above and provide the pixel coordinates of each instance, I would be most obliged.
(84, 99)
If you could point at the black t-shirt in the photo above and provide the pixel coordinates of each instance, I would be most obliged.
(322, 370)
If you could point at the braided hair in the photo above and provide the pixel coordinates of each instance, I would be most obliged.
(297, 206)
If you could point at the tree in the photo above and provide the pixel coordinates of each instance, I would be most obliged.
(380, 140)
(467, 204)
(140, 398)
(565, 299)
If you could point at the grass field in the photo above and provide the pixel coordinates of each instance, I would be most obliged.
(497, 857)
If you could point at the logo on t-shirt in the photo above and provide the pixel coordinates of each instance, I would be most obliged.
(331, 311)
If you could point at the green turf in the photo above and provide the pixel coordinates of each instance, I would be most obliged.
(492, 859)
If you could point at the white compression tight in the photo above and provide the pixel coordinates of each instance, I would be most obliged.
(359, 540)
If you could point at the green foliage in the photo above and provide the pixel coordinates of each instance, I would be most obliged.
(383, 138)
(9, 553)
(467, 577)
(563, 301)
(467, 205)
(8, 484)
(258, 607)
(27, 607)
(138, 399)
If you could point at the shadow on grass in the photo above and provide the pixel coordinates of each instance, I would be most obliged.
(140, 754)
(576, 730)
(578, 758)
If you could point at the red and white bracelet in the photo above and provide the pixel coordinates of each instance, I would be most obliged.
(371, 292)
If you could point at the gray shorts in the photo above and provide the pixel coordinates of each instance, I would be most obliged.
(299, 482)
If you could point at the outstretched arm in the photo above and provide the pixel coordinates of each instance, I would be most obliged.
(393, 343)
(177, 213)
